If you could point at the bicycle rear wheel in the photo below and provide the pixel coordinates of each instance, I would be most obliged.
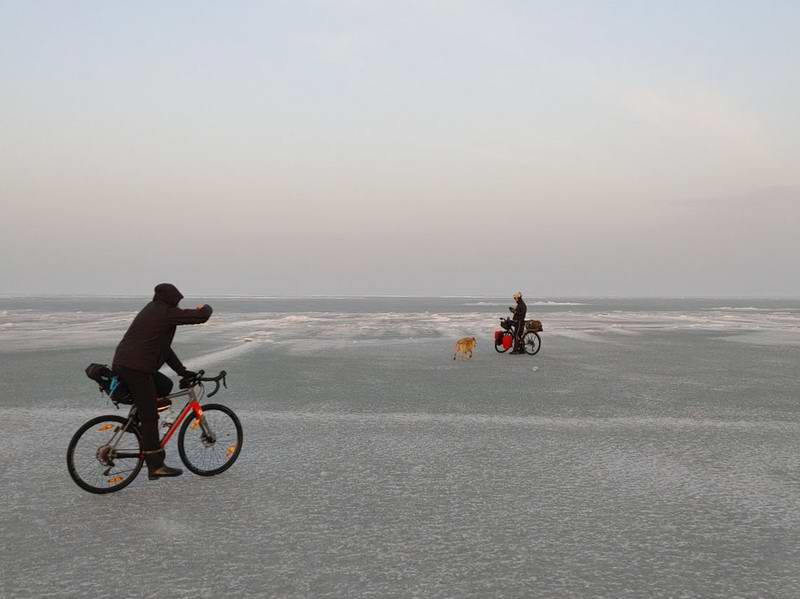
(101, 458)
(210, 447)
(532, 343)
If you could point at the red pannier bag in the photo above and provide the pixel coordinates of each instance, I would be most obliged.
(503, 338)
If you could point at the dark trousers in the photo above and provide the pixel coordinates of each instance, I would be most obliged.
(145, 387)
(519, 331)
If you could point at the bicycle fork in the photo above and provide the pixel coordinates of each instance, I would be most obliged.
(194, 404)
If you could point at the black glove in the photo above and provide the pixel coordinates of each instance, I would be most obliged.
(186, 378)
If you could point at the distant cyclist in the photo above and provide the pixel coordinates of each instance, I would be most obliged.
(144, 349)
(519, 312)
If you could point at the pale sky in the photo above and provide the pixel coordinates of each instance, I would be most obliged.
(422, 148)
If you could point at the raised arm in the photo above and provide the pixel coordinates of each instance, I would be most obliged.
(197, 315)
(174, 363)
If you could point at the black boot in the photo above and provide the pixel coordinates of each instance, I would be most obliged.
(156, 467)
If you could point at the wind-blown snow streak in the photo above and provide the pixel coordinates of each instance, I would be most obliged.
(24, 330)
(633, 422)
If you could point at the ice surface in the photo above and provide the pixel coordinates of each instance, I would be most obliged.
(24, 329)
(659, 462)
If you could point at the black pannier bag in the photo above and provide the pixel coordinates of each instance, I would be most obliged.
(109, 383)
(102, 375)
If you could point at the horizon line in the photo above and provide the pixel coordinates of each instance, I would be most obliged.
(245, 296)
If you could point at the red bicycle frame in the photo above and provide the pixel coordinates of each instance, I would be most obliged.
(193, 405)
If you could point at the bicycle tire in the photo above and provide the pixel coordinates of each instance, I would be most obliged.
(532, 343)
(499, 347)
(232, 450)
(73, 472)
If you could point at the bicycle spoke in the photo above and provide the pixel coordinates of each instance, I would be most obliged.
(205, 456)
(119, 472)
(92, 462)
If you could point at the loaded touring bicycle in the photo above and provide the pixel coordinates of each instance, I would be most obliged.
(531, 342)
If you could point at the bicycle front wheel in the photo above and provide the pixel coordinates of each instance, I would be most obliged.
(211, 445)
(499, 347)
(102, 457)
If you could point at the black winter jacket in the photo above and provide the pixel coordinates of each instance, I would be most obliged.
(147, 344)
(520, 311)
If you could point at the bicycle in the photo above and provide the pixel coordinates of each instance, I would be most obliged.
(105, 454)
(530, 342)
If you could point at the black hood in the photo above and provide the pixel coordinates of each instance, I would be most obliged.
(167, 293)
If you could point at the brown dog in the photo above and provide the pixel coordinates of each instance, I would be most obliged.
(465, 347)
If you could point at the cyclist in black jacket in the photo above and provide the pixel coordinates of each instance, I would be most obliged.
(519, 312)
(144, 349)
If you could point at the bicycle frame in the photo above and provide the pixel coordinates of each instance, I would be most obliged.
(192, 405)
